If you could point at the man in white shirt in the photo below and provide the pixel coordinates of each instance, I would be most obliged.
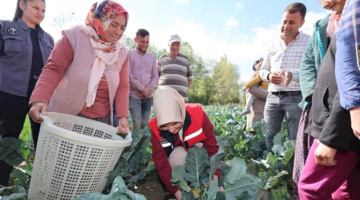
(281, 68)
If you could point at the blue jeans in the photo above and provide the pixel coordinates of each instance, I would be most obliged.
(140, 112)
(276, 108)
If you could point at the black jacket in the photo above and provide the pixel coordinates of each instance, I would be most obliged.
(331, 124)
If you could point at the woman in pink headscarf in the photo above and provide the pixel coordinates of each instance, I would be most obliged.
(88, 70)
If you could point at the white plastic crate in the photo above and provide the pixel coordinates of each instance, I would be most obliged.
(74, 156)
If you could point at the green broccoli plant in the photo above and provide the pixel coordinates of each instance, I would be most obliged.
(119, 191)
(14, 152)
(193, 178)
(135, 158)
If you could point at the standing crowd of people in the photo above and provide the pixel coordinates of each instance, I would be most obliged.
(313, 82)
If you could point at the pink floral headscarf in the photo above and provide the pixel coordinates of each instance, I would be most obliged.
(101, 15)
(333, 25)
(98, 19)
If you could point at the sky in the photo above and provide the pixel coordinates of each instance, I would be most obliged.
(240, 29)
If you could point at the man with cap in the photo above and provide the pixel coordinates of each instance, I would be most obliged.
(175, 69)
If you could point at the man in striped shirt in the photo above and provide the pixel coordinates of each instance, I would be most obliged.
(281, 68)
(175, 69)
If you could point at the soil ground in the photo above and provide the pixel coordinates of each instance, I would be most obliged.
(152, 190)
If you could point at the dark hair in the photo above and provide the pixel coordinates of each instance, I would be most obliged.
(256, 63)
(19, 12)
(296, 7)
(142, 33)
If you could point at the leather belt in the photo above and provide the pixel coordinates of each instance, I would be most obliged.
(286, 93)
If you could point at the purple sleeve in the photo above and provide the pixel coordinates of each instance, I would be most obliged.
(154, 75)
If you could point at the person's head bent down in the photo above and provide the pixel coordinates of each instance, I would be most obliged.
(176, 128)
(169, 108)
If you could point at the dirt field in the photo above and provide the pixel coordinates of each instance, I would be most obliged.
(152, 190)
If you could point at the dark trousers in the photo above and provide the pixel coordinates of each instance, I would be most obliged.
(13, 111)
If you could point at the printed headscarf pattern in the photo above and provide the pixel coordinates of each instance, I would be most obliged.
(106, 53)
(333, 25)
(100, 16)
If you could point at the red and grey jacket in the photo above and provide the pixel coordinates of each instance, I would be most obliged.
(193, 133)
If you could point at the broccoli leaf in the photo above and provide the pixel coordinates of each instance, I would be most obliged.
(119, 191)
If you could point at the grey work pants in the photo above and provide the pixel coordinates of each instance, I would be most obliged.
(140, 112)
(276, 108)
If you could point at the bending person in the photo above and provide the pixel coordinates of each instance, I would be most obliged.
(176, 128)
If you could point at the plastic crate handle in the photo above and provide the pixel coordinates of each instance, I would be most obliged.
(129, 135)
(47, 120)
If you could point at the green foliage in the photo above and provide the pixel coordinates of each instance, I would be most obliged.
(119, 191)
(238, 170)
(193, 177)
(21, 178)
(128, 42)
(231, 132)
(274, 169)
(226, 81)
(247, 172)
(13, 193)
(14, 152)
(135, 158)
(197, 162)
